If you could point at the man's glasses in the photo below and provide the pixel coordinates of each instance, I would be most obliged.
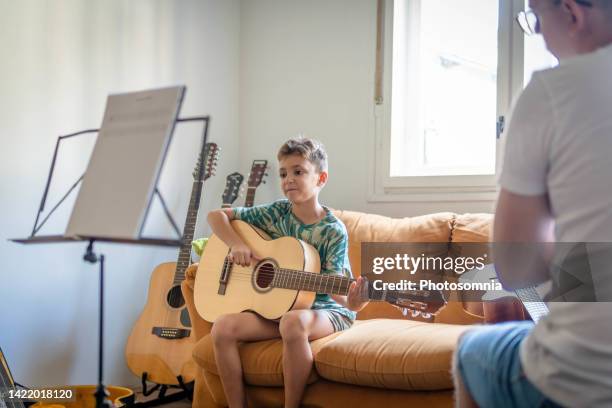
(529, 22)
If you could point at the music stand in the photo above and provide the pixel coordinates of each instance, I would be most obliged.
(90, 256)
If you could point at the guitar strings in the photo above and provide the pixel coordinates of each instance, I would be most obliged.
(202, 172)
(5, 387)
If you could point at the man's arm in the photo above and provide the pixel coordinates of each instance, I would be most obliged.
(521, 219)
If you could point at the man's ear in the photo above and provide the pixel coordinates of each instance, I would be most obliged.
(577, 15)
(322, 178)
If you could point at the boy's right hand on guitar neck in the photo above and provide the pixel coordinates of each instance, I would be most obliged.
(242, 255)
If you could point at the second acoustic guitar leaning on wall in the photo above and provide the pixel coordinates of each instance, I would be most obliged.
(161, 343)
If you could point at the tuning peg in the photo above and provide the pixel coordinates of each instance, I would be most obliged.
(264, 182)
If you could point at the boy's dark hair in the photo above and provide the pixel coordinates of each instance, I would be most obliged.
(309, 149)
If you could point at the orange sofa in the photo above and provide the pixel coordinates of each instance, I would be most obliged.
(385, 359)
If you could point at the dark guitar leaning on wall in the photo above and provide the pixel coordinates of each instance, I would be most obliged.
(161, 343)
(233, 182)
(258, 172)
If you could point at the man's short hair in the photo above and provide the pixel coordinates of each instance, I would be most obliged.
(309, 149)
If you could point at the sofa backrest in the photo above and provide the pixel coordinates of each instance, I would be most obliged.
(440, 227)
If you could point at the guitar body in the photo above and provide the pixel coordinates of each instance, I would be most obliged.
(162, 358)
(161, 341)
(244, 288)
(85, 398)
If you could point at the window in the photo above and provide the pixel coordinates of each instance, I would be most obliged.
(451, 71)
(443, 51)
(536, 55)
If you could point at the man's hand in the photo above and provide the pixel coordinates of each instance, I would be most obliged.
(358, 294)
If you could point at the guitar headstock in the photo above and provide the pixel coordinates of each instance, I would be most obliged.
(205, 168)
(419, 303)
(233, 183)
(258, 172)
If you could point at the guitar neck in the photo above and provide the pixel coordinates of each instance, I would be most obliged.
(312, 282)
(184, 257)
(533, 303)
(250, 197)
(6, 384)
(332, 285)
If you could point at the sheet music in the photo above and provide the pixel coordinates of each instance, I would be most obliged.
(124, 167)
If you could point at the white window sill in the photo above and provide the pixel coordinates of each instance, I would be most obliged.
(434, 194)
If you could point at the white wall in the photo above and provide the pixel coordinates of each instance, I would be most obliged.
(59, 61)
(308, 66)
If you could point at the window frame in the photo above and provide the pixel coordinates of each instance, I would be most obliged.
(472, 188)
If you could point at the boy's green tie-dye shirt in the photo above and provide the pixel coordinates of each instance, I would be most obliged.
(328, 236)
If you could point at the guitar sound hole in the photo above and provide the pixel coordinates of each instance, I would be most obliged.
(175, 297)
(265, 275)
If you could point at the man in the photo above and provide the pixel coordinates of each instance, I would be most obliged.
(557, 173)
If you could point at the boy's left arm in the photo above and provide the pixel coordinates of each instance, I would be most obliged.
(336, 257)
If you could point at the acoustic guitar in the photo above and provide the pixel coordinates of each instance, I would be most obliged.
(68, 396)
(256, 177)
(287, 278)
(232, 191)
(160, 343)
(233, 184)
(502, 305)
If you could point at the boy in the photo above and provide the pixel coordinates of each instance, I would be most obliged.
(303, 173)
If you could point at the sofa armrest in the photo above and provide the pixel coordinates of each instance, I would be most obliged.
(200, 326)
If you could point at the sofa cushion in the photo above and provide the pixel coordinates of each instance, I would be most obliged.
(363, 227)
(390, 353)
(472, 228)
(261, 360)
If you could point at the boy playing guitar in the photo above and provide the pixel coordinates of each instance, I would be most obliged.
(303, 173)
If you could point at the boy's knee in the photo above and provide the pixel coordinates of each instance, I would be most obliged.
(292, 327)
(223, 330)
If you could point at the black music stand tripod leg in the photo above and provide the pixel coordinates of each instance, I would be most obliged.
(101, 393)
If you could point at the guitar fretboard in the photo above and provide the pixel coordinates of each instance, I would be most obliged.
(6, 384)
(250, 197)
(184, 257)
(312, 282)
(333, 284)
(532, 302)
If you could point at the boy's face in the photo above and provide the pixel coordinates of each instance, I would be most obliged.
(300, 179)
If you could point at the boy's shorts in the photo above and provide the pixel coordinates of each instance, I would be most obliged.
(488, 360)
(338, 320)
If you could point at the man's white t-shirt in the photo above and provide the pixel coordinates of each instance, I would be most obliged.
(559, 143)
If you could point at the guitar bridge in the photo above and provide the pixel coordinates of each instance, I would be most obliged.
(170, 333)
(227, 267)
